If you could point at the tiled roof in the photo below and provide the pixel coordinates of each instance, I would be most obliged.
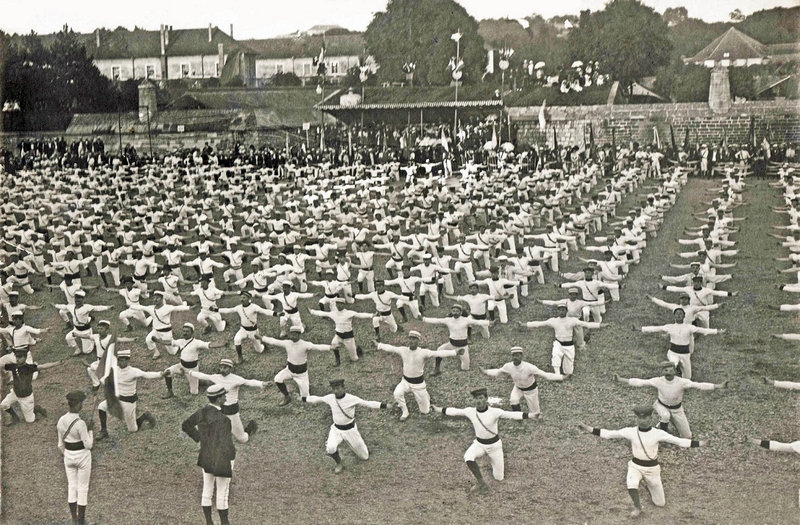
(731, 45)
(308, 46)
(141, 43)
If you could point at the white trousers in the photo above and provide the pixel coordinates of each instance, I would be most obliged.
(352, 437)
(78, 466)
(495, 453)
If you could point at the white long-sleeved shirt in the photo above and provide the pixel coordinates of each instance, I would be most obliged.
(125, 379)
(644, 443)
(523, 375)
(231, 382)
(562, 326)
(414, 360)
(248, 315)
(483, 423)
(458, 327)
(670, 392)
(679, 334)
(296, 351)
(342, 319)
(77, 433)
(343, 409)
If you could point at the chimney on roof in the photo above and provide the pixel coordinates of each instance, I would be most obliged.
(231, 30)
(209, 32)
(97, 37)
(167, 29)
(161, 35)
(221, 58)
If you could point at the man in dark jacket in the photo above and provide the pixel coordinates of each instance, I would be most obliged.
(212, 429)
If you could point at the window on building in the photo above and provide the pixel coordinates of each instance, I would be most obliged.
(306, 70)
(278, 68)
(115, 72)
(334, 68)
(150, 71)
(184, 70)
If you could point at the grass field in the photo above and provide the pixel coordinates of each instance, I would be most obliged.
(554, 473)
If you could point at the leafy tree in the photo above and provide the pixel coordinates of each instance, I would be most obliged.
(419, 31)
(736, 16)
(285, 79)
(683, 83)
(675, 15)
(627, 38)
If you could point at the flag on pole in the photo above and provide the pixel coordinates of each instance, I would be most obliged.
(444, 142)
(656, 138)
(672, 138)
(555, 147)
(489, 63)
(319, 61)
(591, 141)
(542, 119)
(494, 136)
(686, 141)
(753, 131)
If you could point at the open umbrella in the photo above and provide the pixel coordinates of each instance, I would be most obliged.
(507, 147)
(577, 63)
(538, 65)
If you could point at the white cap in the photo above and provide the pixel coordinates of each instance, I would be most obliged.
(123, 353)
(415, 334)
(188, 325)
(296, 329)
(517, 350)
(215, 390)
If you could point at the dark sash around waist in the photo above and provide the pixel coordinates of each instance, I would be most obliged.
(297, 369)
(346, 335)
(73, 445)
(188, 364)
(414, 380)
(348, 426)
(671, 407)
(129, 399)
(646, 462)
(460, 343)
(679, 349)
(488, 441)
(530, 387)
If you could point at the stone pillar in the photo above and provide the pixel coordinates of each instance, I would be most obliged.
(719, 90)
(147, 101)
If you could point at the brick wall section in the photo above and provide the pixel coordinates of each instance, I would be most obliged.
(779, 121)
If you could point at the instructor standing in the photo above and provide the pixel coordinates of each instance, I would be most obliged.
(212, 429)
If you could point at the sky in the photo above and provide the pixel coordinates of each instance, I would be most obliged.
(269, 18)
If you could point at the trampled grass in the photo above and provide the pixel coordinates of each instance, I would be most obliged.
(554, 473)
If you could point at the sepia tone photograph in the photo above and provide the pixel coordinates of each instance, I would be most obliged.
(400, 262)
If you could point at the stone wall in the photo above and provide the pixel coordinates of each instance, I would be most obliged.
(779, 121)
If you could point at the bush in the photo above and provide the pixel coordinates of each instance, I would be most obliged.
(285, 79)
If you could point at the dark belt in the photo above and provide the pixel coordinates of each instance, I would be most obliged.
(260, 290)
(74, 445)
(489, 441)
(410, 295)
(230, 410)
(188, 364)
(346, 335)
(139, 277)
(534, 386)
(209, 275)
(21, 275)
(646, 462)
(331, 295)
(397, 259)
(565, 343)
(414, 380)
(167, 329)
(291, 310)
(250, 328)
(81, 327)
(479, 317)
(464, 261)
(679, 349)
(430, 282)
(459, 342)
(671, 407)
(129, 399)
(534, 263)
(386, 313)
(348, 426)
(297, 369)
